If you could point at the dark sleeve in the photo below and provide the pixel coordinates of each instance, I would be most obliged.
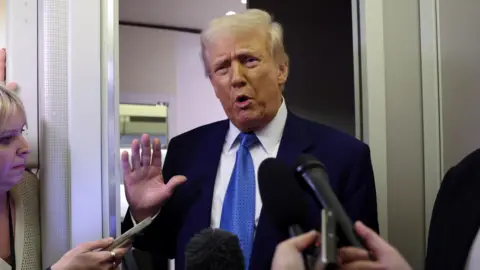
(160, 237)
(360, 197)
(435, 247)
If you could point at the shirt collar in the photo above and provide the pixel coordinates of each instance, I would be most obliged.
(269, 136)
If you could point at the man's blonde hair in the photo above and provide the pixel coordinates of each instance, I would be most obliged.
(251, 19)
(10, 105)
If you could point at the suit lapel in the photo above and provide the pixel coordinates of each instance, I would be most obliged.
(211, 146)
(295, 141)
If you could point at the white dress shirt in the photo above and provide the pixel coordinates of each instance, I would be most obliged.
(269, 138)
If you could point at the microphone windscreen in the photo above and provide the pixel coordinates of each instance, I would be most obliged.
(282, 198)
(214, 249)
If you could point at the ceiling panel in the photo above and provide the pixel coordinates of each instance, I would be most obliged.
(178, 13)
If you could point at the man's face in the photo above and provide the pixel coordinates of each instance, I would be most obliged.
(246, 78)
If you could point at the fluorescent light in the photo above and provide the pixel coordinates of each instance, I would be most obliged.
(243, 1)
(231, 12)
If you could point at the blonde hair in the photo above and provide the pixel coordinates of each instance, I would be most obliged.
(10, 105)
(251, 19)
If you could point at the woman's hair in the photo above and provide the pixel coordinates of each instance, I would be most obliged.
(10, 104)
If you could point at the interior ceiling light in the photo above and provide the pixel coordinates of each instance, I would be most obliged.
(243, 1)
(231, 12)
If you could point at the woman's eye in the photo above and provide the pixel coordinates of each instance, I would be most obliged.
(6, 140)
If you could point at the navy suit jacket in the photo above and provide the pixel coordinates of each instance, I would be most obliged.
(196, 154)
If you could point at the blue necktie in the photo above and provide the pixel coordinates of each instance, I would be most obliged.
(238, 213)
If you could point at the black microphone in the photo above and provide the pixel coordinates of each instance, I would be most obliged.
(313, 175)
(284, 201)
(282, 197)
(214, 249)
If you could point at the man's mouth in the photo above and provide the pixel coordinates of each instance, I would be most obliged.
(242, 99)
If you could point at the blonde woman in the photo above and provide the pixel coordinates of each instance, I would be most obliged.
(19, 201)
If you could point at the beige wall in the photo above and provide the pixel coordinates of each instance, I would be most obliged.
(421, 97)
(392, 99)
(459, 47)
(404, 129)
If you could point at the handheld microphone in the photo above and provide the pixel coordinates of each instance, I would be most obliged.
(284, 203)
(282, 197)
(314, 177)
(214, 249)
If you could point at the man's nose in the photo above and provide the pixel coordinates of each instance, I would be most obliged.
(238, 76)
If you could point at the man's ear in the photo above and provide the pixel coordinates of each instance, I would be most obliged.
(282, 73)
(212, 84)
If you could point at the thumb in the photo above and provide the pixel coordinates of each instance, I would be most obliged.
(302, 241)
(174, 182)
(12, 86)
(97, 244)
(372, 240)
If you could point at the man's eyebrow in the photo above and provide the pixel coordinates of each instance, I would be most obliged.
(220, 61)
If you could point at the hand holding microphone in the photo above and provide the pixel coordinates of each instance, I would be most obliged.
(387, 257)
(288, 254)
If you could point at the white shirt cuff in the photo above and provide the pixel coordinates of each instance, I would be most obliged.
(135, 223)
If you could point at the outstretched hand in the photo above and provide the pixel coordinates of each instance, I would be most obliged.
(145, 187)
(3, 69)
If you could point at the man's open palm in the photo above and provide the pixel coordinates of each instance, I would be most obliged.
(145, 188)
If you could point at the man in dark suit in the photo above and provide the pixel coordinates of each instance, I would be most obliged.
(246, 63)
(453, 239)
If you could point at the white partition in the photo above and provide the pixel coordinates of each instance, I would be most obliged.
(21, 44)
(78, 117)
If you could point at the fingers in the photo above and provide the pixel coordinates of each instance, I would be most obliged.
(12, 86)
(120, 252)
(146, 157)
(135, 154)
(351, 254)
(302, 241)
(372, 240)
(101, 259)
(126, 167)
(98, 244)
(363, 265)
(157, 153)
(3, 59)
(175, 182)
